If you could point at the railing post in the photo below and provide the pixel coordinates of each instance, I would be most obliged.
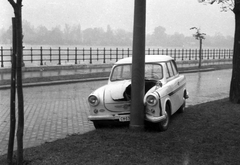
(75, 55)
(196, 54)
(50, 54)
(116, 54)
(110, 54)
(189, 54)
(97, 54)
(128, 52)
(122, 53)
(31, 54)
(67, 54)
(11, 52)
(213, 53)
(219, 52)
(59, 56)
(208, 54)
(83, 54)
(175, 52)
(1, 56)
(90, 55)
(229, 52)
(182, 54)
(104, 54)
(41, 56)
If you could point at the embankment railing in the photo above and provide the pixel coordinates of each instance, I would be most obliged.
(61, 56)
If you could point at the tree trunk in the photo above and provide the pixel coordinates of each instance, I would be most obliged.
(20, 127)
(200, 53)
(17, 6)
(235, 81)
(13, 96)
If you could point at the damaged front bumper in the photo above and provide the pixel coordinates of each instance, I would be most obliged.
(155, 119)
(121, 118)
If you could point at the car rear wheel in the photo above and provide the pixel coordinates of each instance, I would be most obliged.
(163, 126)
(182, 108)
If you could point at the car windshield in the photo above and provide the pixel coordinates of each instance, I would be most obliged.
(123, 72)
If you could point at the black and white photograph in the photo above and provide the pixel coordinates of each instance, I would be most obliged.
(135, 82)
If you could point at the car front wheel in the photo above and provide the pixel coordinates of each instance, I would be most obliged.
(163, 126)
(98, 124)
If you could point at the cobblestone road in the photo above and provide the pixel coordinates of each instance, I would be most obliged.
(51, 112)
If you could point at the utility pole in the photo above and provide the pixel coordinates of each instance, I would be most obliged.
(138, 66)
(199, 36)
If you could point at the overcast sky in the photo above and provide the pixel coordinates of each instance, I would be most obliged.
(174, 15)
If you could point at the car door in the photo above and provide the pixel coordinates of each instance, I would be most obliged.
(173, 80)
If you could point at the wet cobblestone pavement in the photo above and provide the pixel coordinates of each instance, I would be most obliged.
(53, 112)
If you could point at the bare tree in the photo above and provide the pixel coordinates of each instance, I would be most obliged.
(17, 7)
(234, 6)
(199, 36)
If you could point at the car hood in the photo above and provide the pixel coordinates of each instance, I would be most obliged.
(114, 96)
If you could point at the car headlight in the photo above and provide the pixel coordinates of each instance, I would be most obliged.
(151, 100)
(93, 100)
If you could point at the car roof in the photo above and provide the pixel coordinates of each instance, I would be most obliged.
(148, 59)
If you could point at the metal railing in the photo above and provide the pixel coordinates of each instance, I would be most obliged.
(62, 56)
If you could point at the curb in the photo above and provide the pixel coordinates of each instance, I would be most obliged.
(197, 70)
(56, 82)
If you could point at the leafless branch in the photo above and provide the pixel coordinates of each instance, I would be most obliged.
(226, 5)
(12, 3)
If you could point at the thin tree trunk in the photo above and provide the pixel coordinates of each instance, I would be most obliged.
(235, 81)
(200, 53)
(17, 6)
(13, 96)
(20, 127)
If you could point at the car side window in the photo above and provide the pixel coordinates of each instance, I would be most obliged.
(121, 72)
(174, 67)
(170, 70)
(153, 71)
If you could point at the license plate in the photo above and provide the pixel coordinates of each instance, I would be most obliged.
(124, 118)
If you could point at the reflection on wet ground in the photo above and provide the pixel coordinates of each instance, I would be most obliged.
(208, 86)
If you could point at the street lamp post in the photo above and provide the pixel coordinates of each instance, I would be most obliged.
(199, 36)
(138, 66)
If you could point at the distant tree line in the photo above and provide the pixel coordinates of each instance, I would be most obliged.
(74, 35)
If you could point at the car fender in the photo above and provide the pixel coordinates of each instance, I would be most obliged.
(164, 101)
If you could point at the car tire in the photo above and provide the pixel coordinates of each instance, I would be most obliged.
(182, 108)
(98, 124)
(163, 126)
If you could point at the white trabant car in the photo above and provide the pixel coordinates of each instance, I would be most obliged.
(165, 93)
